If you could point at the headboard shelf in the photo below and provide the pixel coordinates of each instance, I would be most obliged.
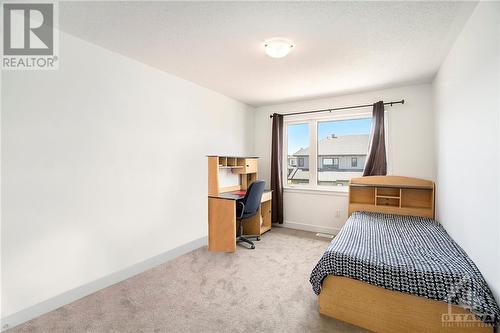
(392, 181)
(395, 186)
(392, 195)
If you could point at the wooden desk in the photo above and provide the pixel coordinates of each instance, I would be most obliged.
(222, 220)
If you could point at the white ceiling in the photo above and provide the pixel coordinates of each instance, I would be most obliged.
(340, 47)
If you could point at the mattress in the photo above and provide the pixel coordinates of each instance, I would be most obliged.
(409, 254)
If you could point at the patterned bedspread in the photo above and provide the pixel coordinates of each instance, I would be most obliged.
(408, 254)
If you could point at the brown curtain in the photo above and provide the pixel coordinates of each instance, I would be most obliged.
(376, 163)
(277, 169)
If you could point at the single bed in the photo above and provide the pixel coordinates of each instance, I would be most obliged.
(393, 268)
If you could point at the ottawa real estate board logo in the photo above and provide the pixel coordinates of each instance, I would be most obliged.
(30, 39)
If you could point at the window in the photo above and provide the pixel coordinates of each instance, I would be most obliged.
(327, 161)
(328, 151)
(297, 171)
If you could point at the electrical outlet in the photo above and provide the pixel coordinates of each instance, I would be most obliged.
(337, 213)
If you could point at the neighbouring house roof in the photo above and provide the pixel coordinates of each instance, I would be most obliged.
(340, 145)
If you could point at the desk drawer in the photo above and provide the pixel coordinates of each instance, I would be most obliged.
(250, 165)
(246, 165)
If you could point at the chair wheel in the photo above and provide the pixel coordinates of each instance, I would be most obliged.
(252, 247)
(258, 238)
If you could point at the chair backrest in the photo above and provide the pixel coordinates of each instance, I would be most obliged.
(253, 196)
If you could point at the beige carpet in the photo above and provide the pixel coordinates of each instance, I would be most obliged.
(261, 290)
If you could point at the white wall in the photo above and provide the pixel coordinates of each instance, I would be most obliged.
(410, 150)
(103, 166)
(467, 107)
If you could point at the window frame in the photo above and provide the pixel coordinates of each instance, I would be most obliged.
(336, 165)
(312, 120)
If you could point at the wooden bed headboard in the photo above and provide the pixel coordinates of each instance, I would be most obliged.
(392, 195)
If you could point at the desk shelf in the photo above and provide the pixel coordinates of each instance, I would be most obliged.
(243, 168)
(230, 167)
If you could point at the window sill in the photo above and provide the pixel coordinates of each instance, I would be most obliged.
(343, 192)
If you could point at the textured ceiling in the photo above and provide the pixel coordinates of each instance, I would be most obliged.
(340, 47)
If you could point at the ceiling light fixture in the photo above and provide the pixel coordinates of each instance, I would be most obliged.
(278, 47)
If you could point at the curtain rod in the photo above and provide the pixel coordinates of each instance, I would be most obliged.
(342, 108)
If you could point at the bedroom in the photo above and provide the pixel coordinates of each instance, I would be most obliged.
(114, 218)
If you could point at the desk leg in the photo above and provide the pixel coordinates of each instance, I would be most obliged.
(221, 225)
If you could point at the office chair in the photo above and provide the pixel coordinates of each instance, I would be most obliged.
(248, 207)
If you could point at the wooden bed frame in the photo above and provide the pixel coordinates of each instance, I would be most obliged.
(383, 310)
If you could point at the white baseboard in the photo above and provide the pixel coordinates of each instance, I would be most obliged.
(89, 288)
(308, 227)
